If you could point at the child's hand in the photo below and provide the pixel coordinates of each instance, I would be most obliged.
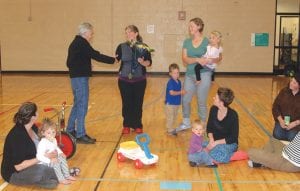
(209, 60)
(202, 61)
(54, 160)
(51, 155)
(206, 149)
(211, 145)
(63, 155)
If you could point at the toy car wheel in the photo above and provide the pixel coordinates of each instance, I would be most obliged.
(120, 157)
(138, 164)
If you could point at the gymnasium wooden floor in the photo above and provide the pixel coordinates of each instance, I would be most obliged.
(99, 168)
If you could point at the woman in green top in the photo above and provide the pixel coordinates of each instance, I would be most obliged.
(193, 49)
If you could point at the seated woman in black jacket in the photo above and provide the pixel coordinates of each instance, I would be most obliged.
(20, 165)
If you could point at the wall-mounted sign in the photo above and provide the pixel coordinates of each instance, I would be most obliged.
(259, 39)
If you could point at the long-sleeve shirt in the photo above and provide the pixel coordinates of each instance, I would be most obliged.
(44, 147)
(227, 128)
(291, 152)
(287, 104)
(195, 144)
(79, 58)
(18, 146)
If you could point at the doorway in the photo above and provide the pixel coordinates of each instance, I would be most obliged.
(286, 49)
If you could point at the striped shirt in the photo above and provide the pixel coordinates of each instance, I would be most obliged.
(291, 152)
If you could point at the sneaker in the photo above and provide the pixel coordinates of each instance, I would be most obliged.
(139, 130)
(254, 164)
(212, 166)
(174, 133)
(182, 127)
(126, 130)
(192, 164)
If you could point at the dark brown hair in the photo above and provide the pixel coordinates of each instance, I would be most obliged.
(226, 95)
(173, 66)
(25, 112)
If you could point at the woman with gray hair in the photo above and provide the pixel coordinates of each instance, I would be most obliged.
(79, 58)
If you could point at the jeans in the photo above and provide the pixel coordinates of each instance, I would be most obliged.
(39, 174)
(201, 90)
(80, 88)
(201, 158)
(283, 134)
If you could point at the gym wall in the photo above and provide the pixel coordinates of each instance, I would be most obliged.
(35, 34)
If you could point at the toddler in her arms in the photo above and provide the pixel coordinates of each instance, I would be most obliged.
(214, 50)
(198, 155)
(47, 144)
(173, 98)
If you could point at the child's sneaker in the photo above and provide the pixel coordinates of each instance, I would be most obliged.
(212, 166)
(192, 164)
(174, 133)
(254, 164)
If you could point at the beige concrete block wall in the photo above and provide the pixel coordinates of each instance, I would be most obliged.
(38, 40)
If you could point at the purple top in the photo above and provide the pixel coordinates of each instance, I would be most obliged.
(195, 144)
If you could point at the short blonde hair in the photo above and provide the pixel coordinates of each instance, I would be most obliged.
(196, 123)
(217, 34)
(46, 124)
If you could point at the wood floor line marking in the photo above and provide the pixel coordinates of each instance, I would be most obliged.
(218, 179)
(108, 162)
(16, 105)
(145, 106)
(213, 181)
(256, 121)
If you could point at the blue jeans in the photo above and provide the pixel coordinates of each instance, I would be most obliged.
(201, 90)
(80, 88)
(201, 158)
(283, 134)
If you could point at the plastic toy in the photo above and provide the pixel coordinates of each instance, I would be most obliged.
(133, 150)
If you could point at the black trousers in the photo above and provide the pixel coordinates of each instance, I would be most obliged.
(132, 102)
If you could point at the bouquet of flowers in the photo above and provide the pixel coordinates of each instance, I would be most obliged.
(139, 50)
